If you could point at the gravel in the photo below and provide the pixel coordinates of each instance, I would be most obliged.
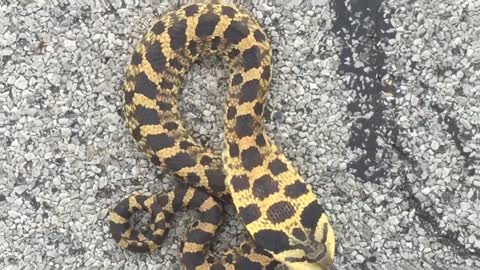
(377, 105)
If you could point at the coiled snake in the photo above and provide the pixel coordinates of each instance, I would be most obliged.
(279, 210)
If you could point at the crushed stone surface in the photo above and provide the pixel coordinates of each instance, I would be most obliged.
(377, 103)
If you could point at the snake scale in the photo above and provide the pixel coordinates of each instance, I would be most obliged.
(286, 223)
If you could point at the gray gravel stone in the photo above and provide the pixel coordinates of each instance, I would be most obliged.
(21, 83)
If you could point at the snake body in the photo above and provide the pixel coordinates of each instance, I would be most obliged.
(279, 210)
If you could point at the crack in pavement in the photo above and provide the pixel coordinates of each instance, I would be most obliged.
(459, 137)
(363, 28)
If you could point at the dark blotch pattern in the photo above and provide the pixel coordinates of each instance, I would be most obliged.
(136, 134)
(251, 158)
(210, 259)
(215, 43)
(180, 192)
(311, 214)
(164, 106)
(180, 161)
(198, 236)
(205, 160)
(192, 47)
(299, 234)
(191, 260)
(263, 252)
(156, 58)
(166, 84)
(191, 10)
(244, 125)
(231, 112)
(136, 58)
(174, 62)
(129, 97)
(266, 73)
(233, 53)
(178, 35)
(233, 149)
(158, 28)
(236, 31)
(249, 213)
(116, 228)
(185, 145)
(249, 91)
(218, 267)
(160, 141)
(198, 198)
(246, 248)
(237, 79)
(162, 200)
(252, 58)
(206, 24)
(258, 108)
(155, 160)
(296, 189)
(146, 116)
(277, 167)
(123, 209)
(264, 187)
(259, 36)
(245, 263)
(229, 258)
(228, 11)
(138, 249)
(216, 180)
(240, 182)
(193, 178)
(280, 211)
(271, 240)
(260, 140)
(170, 126)
(212, 215)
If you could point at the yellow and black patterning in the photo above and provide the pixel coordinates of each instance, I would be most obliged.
(281, 213)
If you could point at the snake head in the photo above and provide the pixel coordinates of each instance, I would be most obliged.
(308, 244)
(314, 252)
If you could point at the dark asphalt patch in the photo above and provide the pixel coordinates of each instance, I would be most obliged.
(363, 28)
